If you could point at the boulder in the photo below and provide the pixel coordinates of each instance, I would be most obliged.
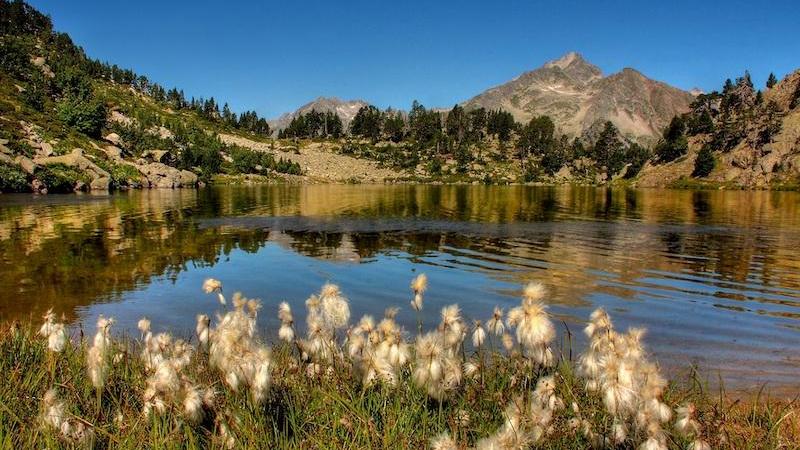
(38, 187)
(78, 161)
(113, 138)
(46, 149)
(26, 164)
(100, 184)
(743, 157)
(160, 175)
(113, 152)
(770, 162)
(159, 156)
(188, 178)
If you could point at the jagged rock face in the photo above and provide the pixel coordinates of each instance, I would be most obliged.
(786, 94)
(576, 95)
(346, 109)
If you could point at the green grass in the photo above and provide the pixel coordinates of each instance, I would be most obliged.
(331, 411)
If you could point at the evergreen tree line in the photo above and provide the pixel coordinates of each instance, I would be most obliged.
(314, 124)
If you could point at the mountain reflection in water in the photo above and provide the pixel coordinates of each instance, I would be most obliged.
(713, 275)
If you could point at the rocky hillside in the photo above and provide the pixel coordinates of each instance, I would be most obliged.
(740, 137)
(345, 109)
(576, 95)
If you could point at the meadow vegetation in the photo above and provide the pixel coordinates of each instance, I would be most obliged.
(368, 383)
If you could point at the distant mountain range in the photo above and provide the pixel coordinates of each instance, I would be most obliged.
(572, 91)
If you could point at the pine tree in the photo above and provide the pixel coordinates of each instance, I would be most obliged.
(771, 81)
(704, 164)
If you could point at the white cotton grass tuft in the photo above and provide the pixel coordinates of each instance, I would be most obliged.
(527, 420)
(97, 356)
(234, 350)
(55, 416)
(534, 330)
(211, 285)
(286, 331)
(478, 334)
(203, 329)
(443, 442)
(55, 332)
(615, 366)
(438, 363)
(378, 351)
(334, 306)
(418, 286)
(495, 323)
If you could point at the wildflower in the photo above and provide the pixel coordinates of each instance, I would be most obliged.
(443, 442)
(211, 285)
(478, 335)
(97, 357)
(508, 342)
(685, 423)
(418, 286)
(471, 369)
(286, 331)
(285, 313)
(143, 325)
(56, 333)
(335, 308)
(193, 404)
(495, 324)
(54, 415)
(699, 444)
(452, 328)
(534, 329)
(234, 351)
(202, 329)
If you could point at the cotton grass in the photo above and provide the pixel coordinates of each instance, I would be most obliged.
(226, 388)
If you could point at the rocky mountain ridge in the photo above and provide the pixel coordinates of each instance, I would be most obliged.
(576, 95)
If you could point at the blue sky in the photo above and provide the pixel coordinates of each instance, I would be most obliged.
(275, 56)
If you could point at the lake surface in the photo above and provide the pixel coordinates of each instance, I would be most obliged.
(713, 275)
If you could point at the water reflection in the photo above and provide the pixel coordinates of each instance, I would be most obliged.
(714, 275)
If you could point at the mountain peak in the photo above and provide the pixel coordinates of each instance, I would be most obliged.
(566, 60)
(576, 67)
(576, 95)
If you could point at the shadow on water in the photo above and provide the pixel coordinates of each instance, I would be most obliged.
(714, 275)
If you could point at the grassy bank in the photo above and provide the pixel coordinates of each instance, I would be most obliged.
(363, 385)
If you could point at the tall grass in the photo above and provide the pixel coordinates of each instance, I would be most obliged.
(366, 385)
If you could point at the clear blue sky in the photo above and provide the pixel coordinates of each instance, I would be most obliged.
(275, 56)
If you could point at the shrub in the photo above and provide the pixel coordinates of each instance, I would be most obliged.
(246, 161)
(122, 174)
(59, 178)
(13, 179)
(84, 115)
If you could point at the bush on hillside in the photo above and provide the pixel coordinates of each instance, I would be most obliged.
(59, 178)
(84, 115)
(13, 179)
